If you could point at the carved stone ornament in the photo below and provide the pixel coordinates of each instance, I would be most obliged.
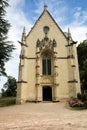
(46, 43)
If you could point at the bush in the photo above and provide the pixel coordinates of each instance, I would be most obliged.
(79, 96)
(80, 102)
(84, 97)
(85, 104)
(7, 101)
(76, 103)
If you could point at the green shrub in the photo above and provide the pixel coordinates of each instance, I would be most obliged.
(85, 103)
(79, 96)
(7, 101)
(84, 97)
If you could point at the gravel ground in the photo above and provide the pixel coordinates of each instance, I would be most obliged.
(42, 116)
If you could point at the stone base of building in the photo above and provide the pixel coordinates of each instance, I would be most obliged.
(22, 101)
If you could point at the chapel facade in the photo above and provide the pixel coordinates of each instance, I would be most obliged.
(48, 69)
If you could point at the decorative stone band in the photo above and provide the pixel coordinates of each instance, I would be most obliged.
(37, 74)
(72, 43)
(21, 56)
(73, 81)
(31, 58)
(54, 52)
(21, 66)
(56, 84)
(61, 58)
(56, 66)
(73, 65)
(25, 57)
(22, 81)
(70, 56)
(38, 52)
(37, 66)
(37, 84)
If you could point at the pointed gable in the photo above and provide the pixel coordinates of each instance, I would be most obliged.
(55, 32)
(44, 14)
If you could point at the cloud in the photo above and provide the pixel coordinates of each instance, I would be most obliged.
(17, 19)
(80, 16)
(60, 12)
(78, 32)
(78, 25)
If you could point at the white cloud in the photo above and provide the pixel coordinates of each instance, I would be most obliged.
(17, 19)
(77, 25)
(80, 16)
(78, 32)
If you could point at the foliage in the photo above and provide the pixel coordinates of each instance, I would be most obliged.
(76, 103)
(79, 96)
(82, 96)
(79, 102)
(5, 46)
(85, 103)
(9, 88)
(82, 59)
(7, 101)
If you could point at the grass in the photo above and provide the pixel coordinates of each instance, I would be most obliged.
(78, 108)
(7, 101)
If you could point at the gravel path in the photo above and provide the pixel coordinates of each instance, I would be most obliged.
(42, 116)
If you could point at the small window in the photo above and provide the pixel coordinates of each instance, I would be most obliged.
(46, 29)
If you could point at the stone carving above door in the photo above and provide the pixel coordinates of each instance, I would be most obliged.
(46, 43)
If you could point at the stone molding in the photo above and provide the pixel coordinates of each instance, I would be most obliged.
(46, 43)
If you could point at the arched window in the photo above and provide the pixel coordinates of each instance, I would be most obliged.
(46, 64)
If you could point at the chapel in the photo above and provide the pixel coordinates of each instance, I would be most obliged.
(48, 69)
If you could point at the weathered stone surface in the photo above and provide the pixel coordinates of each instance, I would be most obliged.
(54, 44)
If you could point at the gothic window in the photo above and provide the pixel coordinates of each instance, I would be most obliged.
(46, 65)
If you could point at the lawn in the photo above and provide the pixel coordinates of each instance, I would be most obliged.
(7, 101)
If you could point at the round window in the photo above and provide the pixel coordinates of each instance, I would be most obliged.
(46, 29)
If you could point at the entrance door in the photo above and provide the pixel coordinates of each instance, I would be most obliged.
(47, 93)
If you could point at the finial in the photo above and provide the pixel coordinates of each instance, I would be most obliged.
(69, 34)
(45, 7)
(23, 34)
(68, 31)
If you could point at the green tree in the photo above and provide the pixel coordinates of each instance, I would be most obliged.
(9, 88)
(5, 46)
(82, 59)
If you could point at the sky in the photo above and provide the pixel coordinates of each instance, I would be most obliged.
(23, 13)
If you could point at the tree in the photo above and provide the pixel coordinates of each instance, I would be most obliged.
(82, 59)
(9, 88)
(5, 46)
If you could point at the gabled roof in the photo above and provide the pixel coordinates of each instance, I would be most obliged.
(51, 18)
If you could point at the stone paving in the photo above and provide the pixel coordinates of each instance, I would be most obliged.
(42, 116)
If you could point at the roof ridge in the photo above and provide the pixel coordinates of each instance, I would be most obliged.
(45, 10)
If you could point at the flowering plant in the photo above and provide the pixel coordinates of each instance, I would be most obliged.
(76, 103)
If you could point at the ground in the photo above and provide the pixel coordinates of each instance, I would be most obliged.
(42, 116)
